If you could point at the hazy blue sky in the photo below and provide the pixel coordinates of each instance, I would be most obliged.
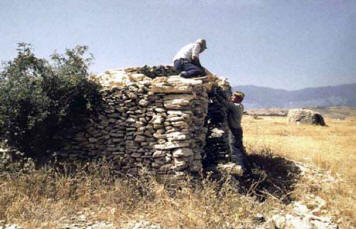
(288, 44)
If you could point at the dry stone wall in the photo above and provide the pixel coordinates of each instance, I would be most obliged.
(155, 122)
(217, 148)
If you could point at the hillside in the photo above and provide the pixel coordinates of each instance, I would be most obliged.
(264, 97)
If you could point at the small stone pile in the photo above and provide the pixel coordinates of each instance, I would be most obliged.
(155, 71)
(151, 121)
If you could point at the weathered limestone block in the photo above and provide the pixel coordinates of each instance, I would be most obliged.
(177, 136)
(231, 168)
(182, 152)
(174, 84)
(143, 102)
(157, 119)
(305, 116)
(177, 102)
(172, 145)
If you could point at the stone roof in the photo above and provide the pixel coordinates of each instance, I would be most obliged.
(154, 76)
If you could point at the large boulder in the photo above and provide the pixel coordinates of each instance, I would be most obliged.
(305, 116)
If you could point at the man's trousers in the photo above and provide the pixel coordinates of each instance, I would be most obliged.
(190, 68)
(238, 152)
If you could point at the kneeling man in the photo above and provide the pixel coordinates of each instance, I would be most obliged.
(186, 61)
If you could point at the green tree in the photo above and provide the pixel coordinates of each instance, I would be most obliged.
(42, 100)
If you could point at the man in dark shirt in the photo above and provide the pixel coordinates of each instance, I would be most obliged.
(234, 110)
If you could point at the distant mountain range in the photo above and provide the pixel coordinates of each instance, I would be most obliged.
(264, 97)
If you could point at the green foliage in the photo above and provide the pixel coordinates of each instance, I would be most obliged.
(42, 100)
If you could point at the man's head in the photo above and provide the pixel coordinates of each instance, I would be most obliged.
(202, 43)
(237, 97)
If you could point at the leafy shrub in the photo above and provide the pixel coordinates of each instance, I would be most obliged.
(41, 100)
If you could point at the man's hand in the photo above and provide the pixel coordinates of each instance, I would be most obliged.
(196, 61)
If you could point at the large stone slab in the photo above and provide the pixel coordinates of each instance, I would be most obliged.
(305, 116)
(174, 84)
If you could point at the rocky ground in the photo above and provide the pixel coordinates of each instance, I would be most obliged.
(308, 213)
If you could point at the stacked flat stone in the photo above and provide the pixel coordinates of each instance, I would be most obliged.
(217, 148)
(156, 123)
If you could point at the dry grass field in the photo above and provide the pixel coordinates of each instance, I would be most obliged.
(331, 148)
(89, 194)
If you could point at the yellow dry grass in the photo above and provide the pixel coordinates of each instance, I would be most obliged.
(46, 197)
(332, 148)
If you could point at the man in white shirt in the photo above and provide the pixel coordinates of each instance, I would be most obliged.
(186, 61)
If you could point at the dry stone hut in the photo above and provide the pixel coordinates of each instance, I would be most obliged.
(156, 120)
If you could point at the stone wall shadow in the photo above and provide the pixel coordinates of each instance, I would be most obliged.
(271, 176)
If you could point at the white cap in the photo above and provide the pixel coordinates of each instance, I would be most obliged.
(202, 42)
